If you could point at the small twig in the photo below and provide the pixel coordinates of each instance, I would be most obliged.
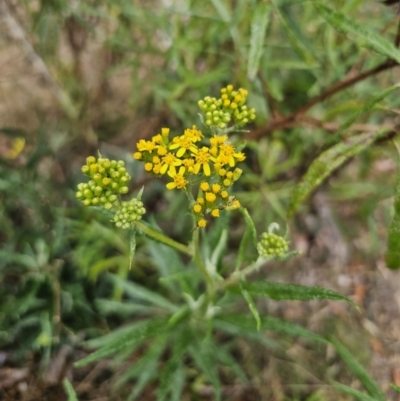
(285, 122)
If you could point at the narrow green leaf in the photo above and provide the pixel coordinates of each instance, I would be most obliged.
(225, 357)
(281, 291)
(251, 305)
(132, 245)
(179, 349)
(140, 332)
(395, 387)
(270, 323)
(205, 359)
(365, 108)
(136, 291)
(222, 10)
(359, 371)
(249, 234)
(297, 39)
(177, 383)
(258, 29)
(147, 367)
(355, 393)
(69, 390)
(364, 37)
(393, 243)
(328, 162)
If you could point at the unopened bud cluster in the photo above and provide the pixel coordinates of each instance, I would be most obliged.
(231, 105)
(108, 179)
(272, 245)
(129, 213)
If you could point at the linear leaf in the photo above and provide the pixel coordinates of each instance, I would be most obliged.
(249, 234)
(258, 28)
(69, 390)
(205, 359)
(393, 243)
(148, 369)
(179, 349)
(270, 323)
(136, 291)
(138, 333)
(364, 37)
(328, 162)
(365, 108)
(281, 291)
(132, 245)
(362, 375)
(250, 303)
(352, 391)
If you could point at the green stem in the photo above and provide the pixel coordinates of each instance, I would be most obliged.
(160, 237)
(199, 262)
(236, 276)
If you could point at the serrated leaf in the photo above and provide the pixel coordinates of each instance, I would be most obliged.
(353, 392)
(136, 291)
(140, 332)
(258, 29)
(364, 37)
(281, 291)
(359, 371)
(249, 234)
(323, 166)
(250, 303)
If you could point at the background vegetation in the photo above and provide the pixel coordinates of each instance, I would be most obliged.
(86, 75)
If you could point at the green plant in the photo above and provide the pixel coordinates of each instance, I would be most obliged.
(198, 302)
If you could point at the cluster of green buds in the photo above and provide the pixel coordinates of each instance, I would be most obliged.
(231, 104)
(108, 179)
(272, 245)
(129, 213)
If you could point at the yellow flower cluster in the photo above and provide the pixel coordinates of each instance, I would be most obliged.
(189, 159)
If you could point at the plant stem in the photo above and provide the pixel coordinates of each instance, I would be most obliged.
(199, 262)
(160, 237)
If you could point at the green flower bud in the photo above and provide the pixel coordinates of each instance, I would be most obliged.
(79, 195)
(123, 190)
(85, 169)
(87, 202)
(272, 245)
(108, 205)
(90, 160)
(95, 201)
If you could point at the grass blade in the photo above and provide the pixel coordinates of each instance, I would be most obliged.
(355, 393)
(69, 390)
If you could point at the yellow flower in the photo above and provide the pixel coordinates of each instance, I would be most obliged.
(137, 155)
(145, 146)
(148, 167)
(202, 223)
(157, 168)
(202, 161)
(205, 186)
(179, 182)
(193, 134)
(197, 208)
(224, 194)
(169, 162)
(162, 150)
(189, 164)
(210, 197)
(227, 183)
(218, 140)
(200, 201)
(183, 143)
(216, 188)
(215, 213)
(165, 132)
